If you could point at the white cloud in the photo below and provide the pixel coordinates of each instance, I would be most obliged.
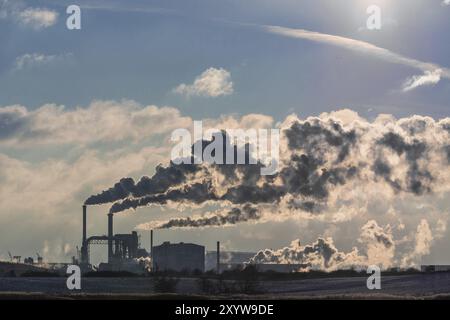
(105, 122)
(38, 18)
(446, 2)
(40, 200)
(424, 238)
(369, 49)
(101, 121)
(427, 79)
(106, 140)
(211, 83)
(37, 59)
(53, 183)
(95, 145)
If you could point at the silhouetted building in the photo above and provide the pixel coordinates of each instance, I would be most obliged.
(434, 268)
(181, 256)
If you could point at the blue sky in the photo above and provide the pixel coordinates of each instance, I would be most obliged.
(142, 49)
(126, 63)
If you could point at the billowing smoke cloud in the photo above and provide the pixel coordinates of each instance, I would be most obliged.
(320, 255)
(320, 156)
(379, 243)
(418, 180)
(231, 217)
(334, 168)
(196, 193)
(378, 248)
(323, 254)
(162, 180)
(423, 239)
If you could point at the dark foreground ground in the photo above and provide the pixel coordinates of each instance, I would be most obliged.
(416, 286)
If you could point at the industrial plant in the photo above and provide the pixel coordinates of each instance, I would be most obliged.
(125, 254)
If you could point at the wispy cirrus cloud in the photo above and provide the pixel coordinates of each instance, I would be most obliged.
(429, 78)
(432, 73)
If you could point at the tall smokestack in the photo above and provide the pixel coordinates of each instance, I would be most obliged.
(218, 257)
(84, 225)
(110, 237)
(84, 255)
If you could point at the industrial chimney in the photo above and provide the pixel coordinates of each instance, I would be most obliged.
(84, 257)
(84, 224)
(110, 237)
(218, 257)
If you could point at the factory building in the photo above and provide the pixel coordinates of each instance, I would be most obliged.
(178, 257)
(435, 268)
(123, 249)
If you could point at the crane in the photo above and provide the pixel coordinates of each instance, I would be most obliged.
(10, 256)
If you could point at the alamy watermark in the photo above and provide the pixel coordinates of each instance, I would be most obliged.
(73, 282)
(374, 20)
(73, 21)
(229, 146)
(374, 281)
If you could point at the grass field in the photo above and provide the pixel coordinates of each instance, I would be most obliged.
(414, 286)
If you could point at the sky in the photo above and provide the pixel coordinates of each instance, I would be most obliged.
(81, 109)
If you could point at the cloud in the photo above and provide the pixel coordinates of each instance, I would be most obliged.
(423, 239)
(48, 185)
(101, 121)
(322, 254)
(43, 162)
(30, 60)
(41, 198)
(432, 72)
(338, 171)
(446, 2)
(427, 79)
(378, 248)
(379, 243)
(36, 18)
(319, 157)
(53, 157)
(335, 168)
(211, 83)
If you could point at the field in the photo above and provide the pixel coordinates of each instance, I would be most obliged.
(415, 286)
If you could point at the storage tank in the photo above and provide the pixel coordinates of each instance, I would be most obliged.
(179, 257)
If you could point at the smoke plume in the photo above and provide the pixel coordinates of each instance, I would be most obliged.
(321, 155)
(231, 217)
(320, 255)
(334, 168)
(323, 254)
